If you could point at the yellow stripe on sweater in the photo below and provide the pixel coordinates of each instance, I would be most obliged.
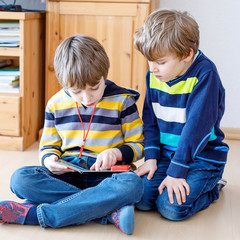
(181, 87)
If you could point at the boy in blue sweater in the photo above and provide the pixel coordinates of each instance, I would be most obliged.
(184, 103)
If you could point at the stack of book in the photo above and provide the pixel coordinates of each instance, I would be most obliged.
(9, 80)
(5, 62)
(9, 34)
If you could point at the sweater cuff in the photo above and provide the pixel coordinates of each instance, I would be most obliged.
(127, 154)
(152, 153)
(177, 170)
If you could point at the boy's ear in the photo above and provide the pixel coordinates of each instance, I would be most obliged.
(190, 56)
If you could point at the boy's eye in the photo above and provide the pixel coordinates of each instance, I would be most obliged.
(76, 91)
(95, 88)
(160, 63)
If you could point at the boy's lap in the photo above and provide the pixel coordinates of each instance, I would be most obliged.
(202, 177)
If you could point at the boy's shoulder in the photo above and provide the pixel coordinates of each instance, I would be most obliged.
(59, 97)
(113, 89)
(203, 63)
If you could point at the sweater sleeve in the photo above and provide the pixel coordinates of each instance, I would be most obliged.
(132, 129)
(202, 111)
(51, 141)
(150, 127)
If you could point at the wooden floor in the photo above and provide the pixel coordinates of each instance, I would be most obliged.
(220, 221)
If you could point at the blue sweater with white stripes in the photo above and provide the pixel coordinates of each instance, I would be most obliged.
(184, 115)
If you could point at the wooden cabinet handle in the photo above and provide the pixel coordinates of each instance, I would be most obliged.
(50, 67)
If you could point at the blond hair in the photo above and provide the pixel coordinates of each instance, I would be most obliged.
(167, 31)
(79, 61)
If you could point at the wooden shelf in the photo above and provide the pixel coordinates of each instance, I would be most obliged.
(21, 15)
(22, 112)
(12, 52)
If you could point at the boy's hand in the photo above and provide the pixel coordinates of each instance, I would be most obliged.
(107, 159)
(150, 167)
(54, 167)
(177, 185)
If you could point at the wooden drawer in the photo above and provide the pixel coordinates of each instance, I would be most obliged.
(9, 115)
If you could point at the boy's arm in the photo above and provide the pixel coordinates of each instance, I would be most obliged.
(205, 106)
(132, 146)
(151, 130)
(132, 130)
(51, 142)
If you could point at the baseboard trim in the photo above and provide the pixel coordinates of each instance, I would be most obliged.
(231, 133)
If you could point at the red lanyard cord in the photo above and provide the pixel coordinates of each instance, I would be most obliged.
(84, 136)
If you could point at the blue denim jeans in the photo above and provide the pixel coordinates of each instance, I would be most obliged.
(74, 198)
(202, 179)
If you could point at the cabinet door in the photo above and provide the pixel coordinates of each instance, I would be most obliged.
(113, 25)
(10, 115)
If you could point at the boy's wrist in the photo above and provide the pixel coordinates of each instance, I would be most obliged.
(118, 154)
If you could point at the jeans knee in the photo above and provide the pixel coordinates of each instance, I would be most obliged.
(173, 211)
(147, 201)
(20, 180)
(17, 179)
(150, 194)
(133, 184)
(130, 179)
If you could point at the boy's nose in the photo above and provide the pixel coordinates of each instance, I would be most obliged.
(153, 67)
(86, 97)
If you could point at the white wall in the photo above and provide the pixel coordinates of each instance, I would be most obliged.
(219, 22)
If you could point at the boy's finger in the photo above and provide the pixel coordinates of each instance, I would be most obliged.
(187, 188)
(139, 171)
(178, 196)
(160, 188)
(150, 175)
(97, 165)
(92, 167)
(104, 166)
(170, 195)
(54, 157)
(182, 193)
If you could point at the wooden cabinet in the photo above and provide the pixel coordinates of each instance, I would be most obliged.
(112, 23)
(22, 113)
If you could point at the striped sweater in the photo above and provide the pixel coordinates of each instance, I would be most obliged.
(184, 115)
(115, 124)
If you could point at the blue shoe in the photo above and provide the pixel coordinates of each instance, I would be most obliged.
(124, 219)
(13, 212)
